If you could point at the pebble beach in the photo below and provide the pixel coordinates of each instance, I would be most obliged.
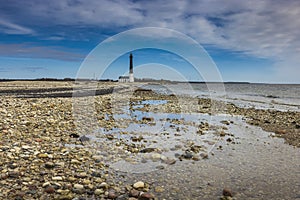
(61, 140)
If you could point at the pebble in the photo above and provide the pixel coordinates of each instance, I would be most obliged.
(50, 190)
(204, 155)
(134, 193)
(138, 185)
(74, 161)
(112, 194)
(103, 185)
(98, 192)
(43, 155)
(146, 196)
(159, 189)
(57, 178)
(46, 184)
(227, 192)
(49, 165)
(155, 156)
(78, 186)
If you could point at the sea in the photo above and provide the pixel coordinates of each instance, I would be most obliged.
(283, 97)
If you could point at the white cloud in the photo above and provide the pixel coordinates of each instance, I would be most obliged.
(15, 29)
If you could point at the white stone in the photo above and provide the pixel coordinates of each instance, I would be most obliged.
(46, 184)
(98, 192)
(139, 184)
(57, 178)
(78, 186)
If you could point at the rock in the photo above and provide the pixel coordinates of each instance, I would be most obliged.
(26, 147)
(78, 186)
(84, 139)
(46, 184)
(112, 194)
(156, 156)
(66, 197)
(103, 185)
(63, 192)
(148, 150)
(74, 161)
(81, 175)
(74, 135)
(148, 119)
(3, 176)
(159, 189)
(42, 155)
(49, 165)
(280, 132)
(57, 178)
(187, 155)
(222, 134)
(98, 192)
(225, 122)
(169, 161)
(204, 155)
(146, 196)
(227, 192)
(13, 174)
(134, 193)
(196, 158)
(138, 185)
(50, 190)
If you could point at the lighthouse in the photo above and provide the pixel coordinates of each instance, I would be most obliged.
(131, 77)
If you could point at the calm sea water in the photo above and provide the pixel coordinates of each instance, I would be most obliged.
(263, 96)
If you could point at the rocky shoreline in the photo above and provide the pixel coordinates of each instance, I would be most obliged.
(41, 147)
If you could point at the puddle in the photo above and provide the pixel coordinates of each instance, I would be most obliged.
(247, 160)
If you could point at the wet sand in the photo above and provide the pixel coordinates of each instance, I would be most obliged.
(179, 147)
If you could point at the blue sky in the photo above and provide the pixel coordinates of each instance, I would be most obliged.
(255, 41)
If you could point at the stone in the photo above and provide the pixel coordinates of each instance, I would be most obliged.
(63, 192)
(222, 134)
(159, 189)
(280, 132)
(155, 156)
(49, 190)
(78, 186)
(74, 161)
(104, 185)
(66, 197)
(134, 193)
(148, 150)
(146, 196)
(138, 185)
(112, 194)
(225, 122)
(42, 155)
(204, 155)
(227, 192)
(187, 155)
(57, 178)
(81, 175)
(49, 165)
(13, 174)
(46, 184)
(169, 161)
(98, 192)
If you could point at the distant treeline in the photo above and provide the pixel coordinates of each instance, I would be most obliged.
(111, 80)
(57, 79)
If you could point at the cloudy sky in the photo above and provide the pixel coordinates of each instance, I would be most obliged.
(256, 41)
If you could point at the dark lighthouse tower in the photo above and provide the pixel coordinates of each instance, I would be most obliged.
(131, 78)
